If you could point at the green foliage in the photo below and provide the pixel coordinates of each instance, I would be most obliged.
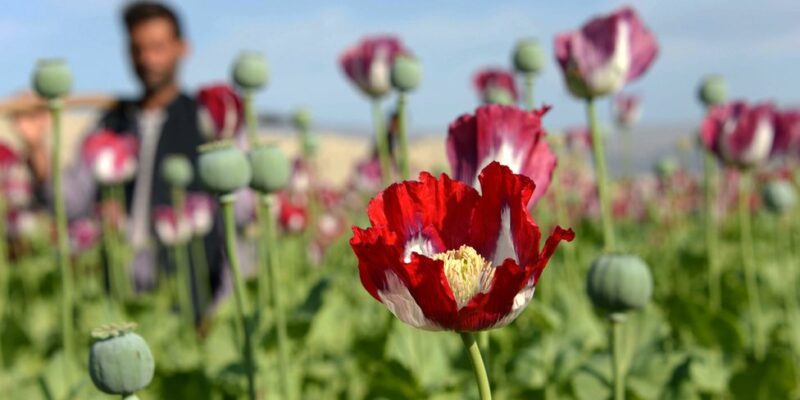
(345, 345)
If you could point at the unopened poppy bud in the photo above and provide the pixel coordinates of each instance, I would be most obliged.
(177, 170)
(498, 95)
(120, 362)
(528, 57)
(302, 119)
(250, 71)
(666, 167)
(406, 73)
(713, 90)
(223, 168)
(619, 282)
(52, 78)
(779, 196)
(270, 167)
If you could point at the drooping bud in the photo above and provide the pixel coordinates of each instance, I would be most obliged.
(713, 90)
(223, 168)
(250, 70)
(406, 73)
(177, 170)
(779, 196)
(528, 57)
(271, 168)
(619, 282)
(120, 362)
(52, 78)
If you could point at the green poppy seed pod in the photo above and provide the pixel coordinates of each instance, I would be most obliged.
(223, 168)
(666, 167)
(713, 90)
(528, 57)
(779, 196)
(250, 71)
(496, 95)
(619, 283)
(270, 167)
(177, 170)
(310, 143)
(120, 362)
(52, 78)
(406, 73)
(302, 119)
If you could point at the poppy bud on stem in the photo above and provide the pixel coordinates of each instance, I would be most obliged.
(52, 80)
(382, 142)
(601, 176)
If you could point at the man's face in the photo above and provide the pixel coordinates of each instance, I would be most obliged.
(155, 52)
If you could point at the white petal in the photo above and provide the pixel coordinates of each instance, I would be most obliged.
(521, 301)
(505, 243)
(612, 76)
(399, 301)
(418, 244)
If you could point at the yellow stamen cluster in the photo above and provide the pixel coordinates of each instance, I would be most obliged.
(467, 273)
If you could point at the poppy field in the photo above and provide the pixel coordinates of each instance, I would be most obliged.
(525, 269)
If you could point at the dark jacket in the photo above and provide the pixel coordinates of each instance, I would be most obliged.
(179, 135)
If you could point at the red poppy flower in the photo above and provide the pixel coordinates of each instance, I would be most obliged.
(220, 111)
(506, 134)
(368, 64)
(741, 134)
(496, 85)
(111, 156)
(442, 256)
(292, 217)
(605, 54)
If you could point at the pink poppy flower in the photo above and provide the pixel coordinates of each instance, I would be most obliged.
(496, 86)
(368, 64)
(740, 134)
(507, 134)
(605, 54)
(111, 156)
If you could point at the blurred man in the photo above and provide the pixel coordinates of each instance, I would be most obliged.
(165, 121)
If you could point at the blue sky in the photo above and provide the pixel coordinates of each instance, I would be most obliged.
(756, 45)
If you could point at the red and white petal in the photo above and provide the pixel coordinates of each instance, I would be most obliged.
(397, 298)
(502, 227)
(414, 211)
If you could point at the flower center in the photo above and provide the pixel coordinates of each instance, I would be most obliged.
(467, 273)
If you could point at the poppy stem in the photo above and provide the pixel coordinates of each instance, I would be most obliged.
(250, 115)
(182, 268)
(712, 239)
(4, 273)
(477, 365)
(617, 369)
(201, 271)
(601, 177)
(402, 137)
(110, 249)
(270, 239)
(382, 142)
(62, 256)
(529, 79)
(748, 262)
(226, 203)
